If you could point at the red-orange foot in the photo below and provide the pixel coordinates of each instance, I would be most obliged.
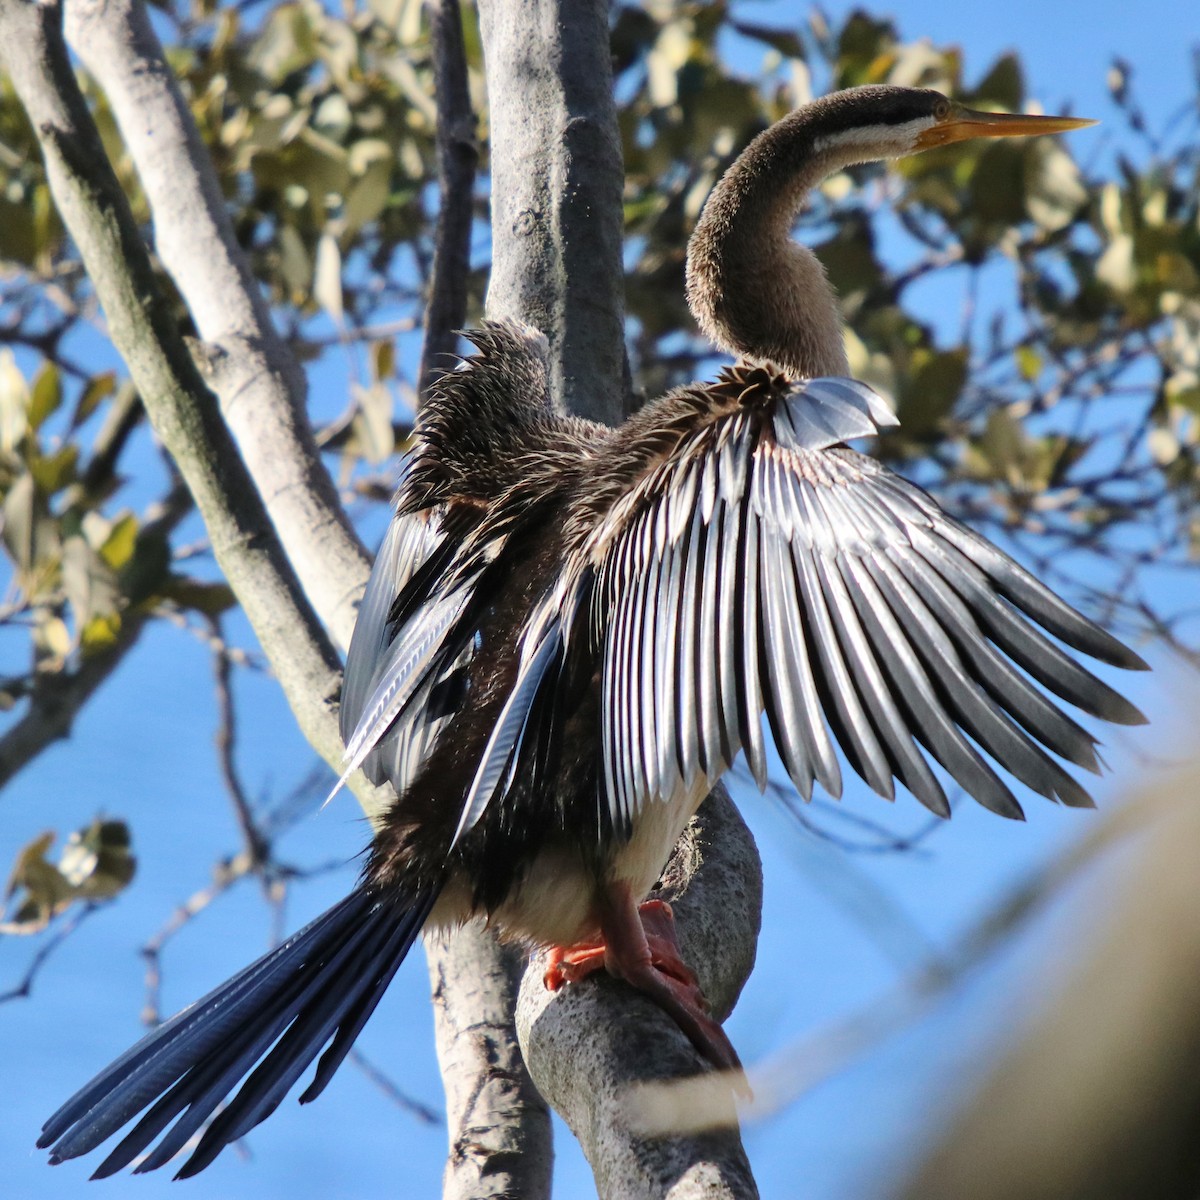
(638, 944)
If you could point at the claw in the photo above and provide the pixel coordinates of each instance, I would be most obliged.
(638, 944)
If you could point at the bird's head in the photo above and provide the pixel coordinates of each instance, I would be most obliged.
(869, 123)
(755, 292)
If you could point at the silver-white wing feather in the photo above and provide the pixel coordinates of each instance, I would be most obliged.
(769, 569)
(386, 721)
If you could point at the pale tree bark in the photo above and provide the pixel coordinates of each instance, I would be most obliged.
(251, 369)
(557, 264)
(499, 1125)
(181, 410)
(1099, 1097)
(556, 193)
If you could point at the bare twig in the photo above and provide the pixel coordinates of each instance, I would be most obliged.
(257, 845)
(388, 1087)
(24, 989)
(225, 875)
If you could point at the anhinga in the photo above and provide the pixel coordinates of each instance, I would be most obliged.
(571, 631)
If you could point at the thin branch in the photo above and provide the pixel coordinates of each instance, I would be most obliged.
(225, 875)
(395, 1094)
(24, 989)
(457, 155)
(257, 845)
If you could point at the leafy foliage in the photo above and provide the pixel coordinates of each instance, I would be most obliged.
(96, 864)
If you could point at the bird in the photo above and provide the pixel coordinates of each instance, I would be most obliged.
(572, 631)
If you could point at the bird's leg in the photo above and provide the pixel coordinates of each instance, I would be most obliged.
(638, 944)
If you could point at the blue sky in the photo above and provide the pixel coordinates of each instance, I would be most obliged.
(144, 751)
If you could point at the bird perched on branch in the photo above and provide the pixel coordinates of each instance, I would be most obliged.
(571, 631)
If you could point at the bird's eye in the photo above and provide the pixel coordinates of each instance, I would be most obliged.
(942, 109)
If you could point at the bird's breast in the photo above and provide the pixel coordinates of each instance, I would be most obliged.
(558, 898)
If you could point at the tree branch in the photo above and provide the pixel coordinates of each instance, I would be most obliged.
(499, 1126)
(260, 385)
(557, 264)
(180, 408)
(457, 155)
(556, 193)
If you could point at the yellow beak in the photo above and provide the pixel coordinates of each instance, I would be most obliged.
(963, 123)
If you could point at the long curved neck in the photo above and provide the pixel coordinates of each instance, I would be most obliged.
(752, 289)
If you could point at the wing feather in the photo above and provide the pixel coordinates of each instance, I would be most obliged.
(757, 566)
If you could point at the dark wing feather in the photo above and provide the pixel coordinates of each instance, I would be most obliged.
(408, 544)
(321, 984)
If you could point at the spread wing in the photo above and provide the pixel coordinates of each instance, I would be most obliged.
(396, 662)
(765, 568)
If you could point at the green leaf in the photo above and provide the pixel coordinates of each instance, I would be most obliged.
(996, 193)
(849, 260)
(97, 390)
(287, 42)
(930, 394)
(43, 887)
(295, 263)
(97, 860)
(1029, 362)
(99, 632)
(53, 472)
(1054, 191)
(14, 402)
(46, 394)
(91, 589)
(144, 574)
(211, 599)
(383, 359)
(117, 547)
(371, 429)
(371, 163)
(327, 277)
(1003, 86)
(784, 40)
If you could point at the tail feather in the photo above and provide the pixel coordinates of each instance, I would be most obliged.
(323, 982)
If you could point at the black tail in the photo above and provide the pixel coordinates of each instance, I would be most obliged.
(323, 982)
